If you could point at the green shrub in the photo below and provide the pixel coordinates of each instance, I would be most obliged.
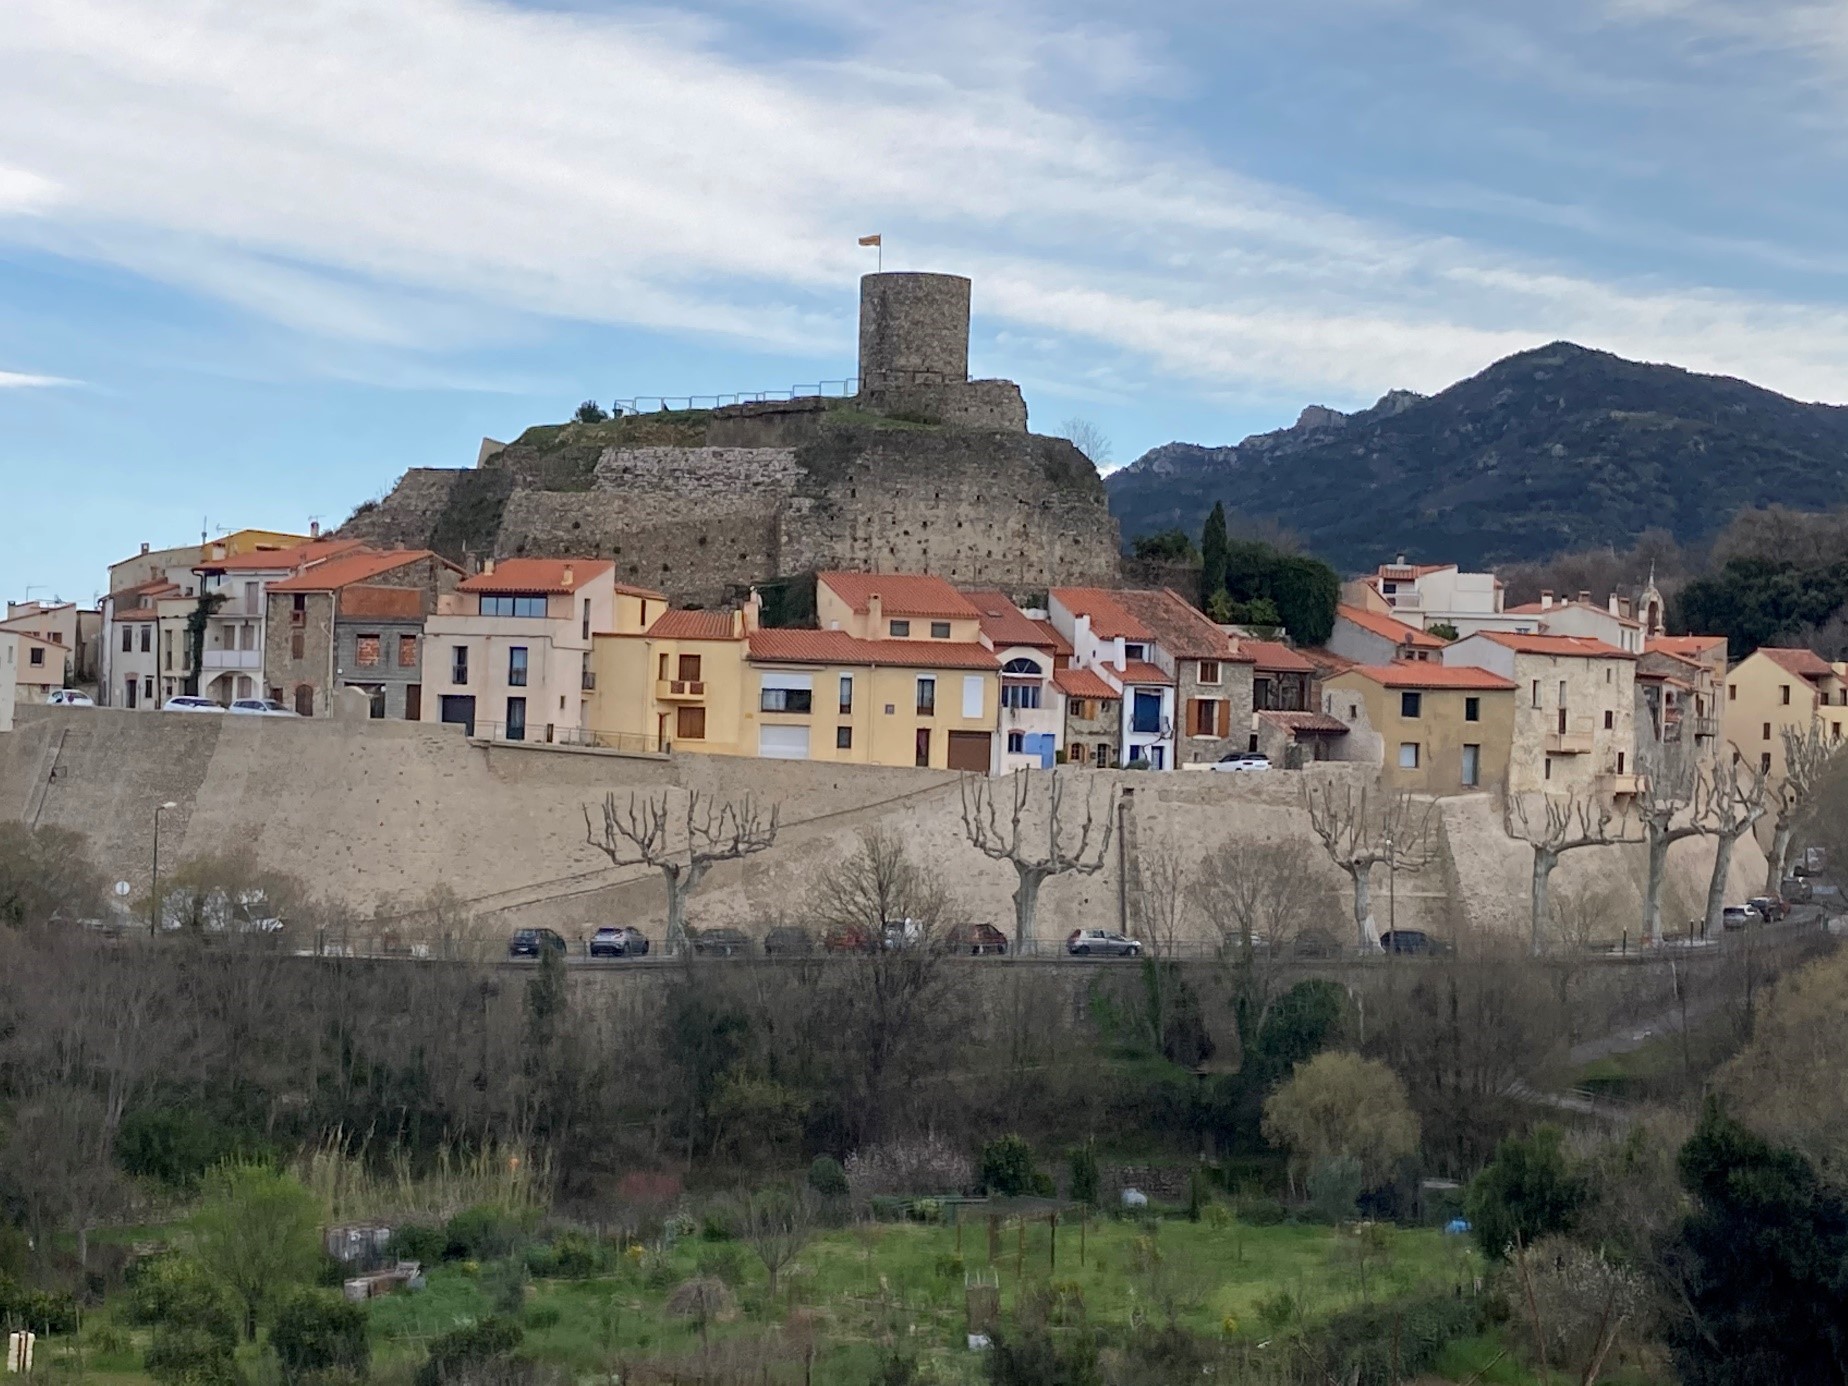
(1378, 1345)
(318, 1333)
(186, 1356)
(1524, 1193)
(418, 1242)
(463, 1351)
(481, 1234)
(827, 1178)
(540, 1317)
(715, 1225)
(175, 1145)
(1007, 1166)
(1262, 1212)
(1084, 1180)
(886, 1208)
(179, 1292)
(571, 1255)
(42, 1311)
(724, 1263)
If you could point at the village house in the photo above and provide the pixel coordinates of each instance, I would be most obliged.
(233, 592)
(1775, 688)
(1611, 623)
(1031, 734)
(1432, 728)
(1574, 710)
(42, 666)
(1093, 717)
(1369, 637)
(1424, 595)
(354, 621)
(508, 653)
(1281, 679)
(130, 658)
(78, 630)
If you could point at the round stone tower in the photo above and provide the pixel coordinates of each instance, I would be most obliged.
(914, 330)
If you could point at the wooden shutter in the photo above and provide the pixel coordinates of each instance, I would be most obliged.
(1193, 716)
(1225, 719)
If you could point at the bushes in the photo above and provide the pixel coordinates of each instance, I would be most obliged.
(42, 1311)
(1525, 1193)
(178, 1290)
(317, 1333)
(1084, 1181)
(827, 1178)
(175, 1145)
(418, 1242)
(1382, 1344)
(917, 1165)
(1334, 1189)
(1007, 1169)
(481, 1234)
(465, 1351)
(182, 1356)
(571, 1255)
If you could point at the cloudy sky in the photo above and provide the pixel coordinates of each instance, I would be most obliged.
(258, 258)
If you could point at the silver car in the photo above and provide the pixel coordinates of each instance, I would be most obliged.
(186, 702)
(1105, 943)
(261, 707)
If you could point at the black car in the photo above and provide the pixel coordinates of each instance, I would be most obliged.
(618, 941)
(720, 943)
(530, 943)
(788, 941)
(1411, 941)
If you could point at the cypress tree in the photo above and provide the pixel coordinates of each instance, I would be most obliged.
(1213, 550)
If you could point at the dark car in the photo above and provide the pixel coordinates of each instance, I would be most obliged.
(1738, 917)
(720, 943)
(618, 941)
(1411, 941)
(1085, 943)
(530, 943)
(1797, 890)
(788, 941)
(1771, 908)
(977, 940)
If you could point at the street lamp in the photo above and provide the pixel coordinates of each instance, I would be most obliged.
(154, 885)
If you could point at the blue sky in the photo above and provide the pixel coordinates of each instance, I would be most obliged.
(258, 259)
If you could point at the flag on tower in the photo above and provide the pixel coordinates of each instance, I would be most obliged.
(870, 240)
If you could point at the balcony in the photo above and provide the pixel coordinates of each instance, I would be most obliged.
(1702, 726)
(1620, 786)
(588, 681)
(680, 690)
(233, 659)
(1568, 743)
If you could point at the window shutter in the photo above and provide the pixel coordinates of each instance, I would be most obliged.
(1193, 717)
(1225, 720)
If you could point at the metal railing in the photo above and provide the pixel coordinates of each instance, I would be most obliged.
(668, 404)
(548, 734)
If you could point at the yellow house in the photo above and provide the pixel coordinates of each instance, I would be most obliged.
(1434, 729)
(1775, 688)
(679, 683)
(896, 606)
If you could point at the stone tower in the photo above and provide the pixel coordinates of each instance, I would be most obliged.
(914, 330)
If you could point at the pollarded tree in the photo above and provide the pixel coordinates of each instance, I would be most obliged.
(1362, 828)
(1563, 823)
(683, 847)
(1032, 833)
(1739, 798)
(1673, 803)
(1807, 754)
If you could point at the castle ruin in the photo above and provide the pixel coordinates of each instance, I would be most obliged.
(923, 470)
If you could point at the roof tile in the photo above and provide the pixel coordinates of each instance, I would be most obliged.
(901, 594)
(840, 647)
(1388, 628)
(543, 575)
(331, 574)
(1423, 674)
(1006, 624)
(1082, 683)
(284, 560)
(694, 625)
(1582, 646)
(1805, 664)
(1274, 657)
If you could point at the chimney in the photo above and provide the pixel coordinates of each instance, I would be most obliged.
(751, 617)
(144, 546)
(1399, 561)
(569, 574)
(1626, 608)
(314, 529)
(875, 616)
(1584, 597)
(1616, 610)
(487, 565)
(1546, 599)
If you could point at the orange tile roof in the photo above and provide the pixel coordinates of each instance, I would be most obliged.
(1581, 645)
(1141, 671)
(1805, 664)
(285, 560)
(1385, 626)
(1326, 662)
(1396, 571)
(1082, 683)
(542, 575)
(839, 647)
(694, 625)
(1685, 646)
(1422, 674)
(332, 574)
(1312, 722)
(1274, 657)
(1004, 623)
(382, 603)
(1182, 629)
(1109, 617)
(900, 594)
(1052, 640)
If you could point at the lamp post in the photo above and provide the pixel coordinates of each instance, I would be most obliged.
(154, 885)
(1392, 887)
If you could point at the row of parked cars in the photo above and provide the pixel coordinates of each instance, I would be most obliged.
(1760, 909)
(185, 702)
(625, 941)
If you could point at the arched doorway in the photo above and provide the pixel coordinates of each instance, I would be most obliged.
(304, 699)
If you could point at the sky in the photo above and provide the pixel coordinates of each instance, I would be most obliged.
(258, 259)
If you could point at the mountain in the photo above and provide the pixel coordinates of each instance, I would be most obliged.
(1553, 449)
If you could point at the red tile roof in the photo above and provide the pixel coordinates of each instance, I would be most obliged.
(1141, 671)
(542, 575)
(839, 647)
(1182, 629)
(1421, 674)
(1275, 658)
(1326, 662)
(1006, 624)
(1805, 664)
(1582, 646)
(694, 625)
(1082, 683)
(334, 573)
(1385, 626)
(1314, 722)
(1053, 641)
(1109, 617)
(1398, 572)
(901, 594)
(285, 560)
(1685, 646)
(383, 603)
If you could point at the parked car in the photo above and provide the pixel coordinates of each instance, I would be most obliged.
(530, 943)
(977, 939)
(788, 941)
(618, 941)
(1315, 943)
(187, 703)
(1771, 908)
(70, 697)
(1738, 917)
(261, 707)
(720, 943)
(1412, 941)
(1812, 862)
(1797, 890)
(902, 933)
(851, 938)
(1243, 760)
(1083, 943)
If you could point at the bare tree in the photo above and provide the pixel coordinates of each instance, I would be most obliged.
(777, 1224)
(1011, 833)
(1260, 895)
(1566, 823)
(682, 848)
(1807, 753)
(1363, 828)
(1673, 788)
(1738, 798)
(1088, 438)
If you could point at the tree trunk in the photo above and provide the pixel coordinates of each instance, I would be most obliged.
(1652, 892)
(1544, 862)
(1776, 858)
(1026, 907)
(1364, 927)
(676, 913)
(1716, 885)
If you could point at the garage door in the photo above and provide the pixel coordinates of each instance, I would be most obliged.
(783, 743)
(969, 751)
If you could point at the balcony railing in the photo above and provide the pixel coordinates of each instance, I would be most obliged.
(233, 659)
(588, 681)
(1568, 743)
(679, 690)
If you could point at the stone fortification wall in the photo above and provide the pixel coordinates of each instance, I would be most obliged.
(997, 405)
(914, 328)
(410, 514)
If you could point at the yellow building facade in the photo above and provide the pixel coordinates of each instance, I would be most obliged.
(1439, 730)
(1774, 688)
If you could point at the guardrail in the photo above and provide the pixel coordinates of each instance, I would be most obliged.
(667, 404)
(548, 734)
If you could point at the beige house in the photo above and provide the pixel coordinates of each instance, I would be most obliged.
(41, 666)
(1369, 637)
(507, 655)
(1774, 688)
(1574, 710)
(1612, 623)
(1434, 594)
(9, 665)
(1434, 728)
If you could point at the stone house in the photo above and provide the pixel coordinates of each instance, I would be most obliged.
(1281, 679)
(1435, 729)
(1093, 720)
(1612, 623)
(1214, 676)
(1370, 637)
(236, 640)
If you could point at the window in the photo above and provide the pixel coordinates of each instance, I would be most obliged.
(128, 639)
(584, 628)
(298, 609)
(1620, 762)
(1103, 754)
(366, 651)
(516, 666)
(1783, 690)
(1020, 695)
(687, 668)
(1536, 692)
(528, 606)
(1079, 753)
(922, 758)
(843, 738)
(516, 719)
(927, 696)
(147, 686)
(167, 651)
(458, 664)
(899, 629)
(1767, 736)
(1411, 704)
(1562, 692)
(1408, 755)
(690, 723)
(847, 701)
(407, 652)
(1080, 708)
(1838, 732)
(1764, 762)
(1607, 673)
(38, 658)
(1732, 692)
(797, 700)
(1135, 652)
(939, 630)
(1472, 709)
(250, 597)
(661, 668)
(1145, 712)
(1016, 743)
(1610, 719)
(1549, 767)
(1204, 716)
(1472, 765)
(297, 645)
(1209, 671)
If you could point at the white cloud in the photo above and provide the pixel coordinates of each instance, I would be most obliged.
(412, 175)
(14, 380)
